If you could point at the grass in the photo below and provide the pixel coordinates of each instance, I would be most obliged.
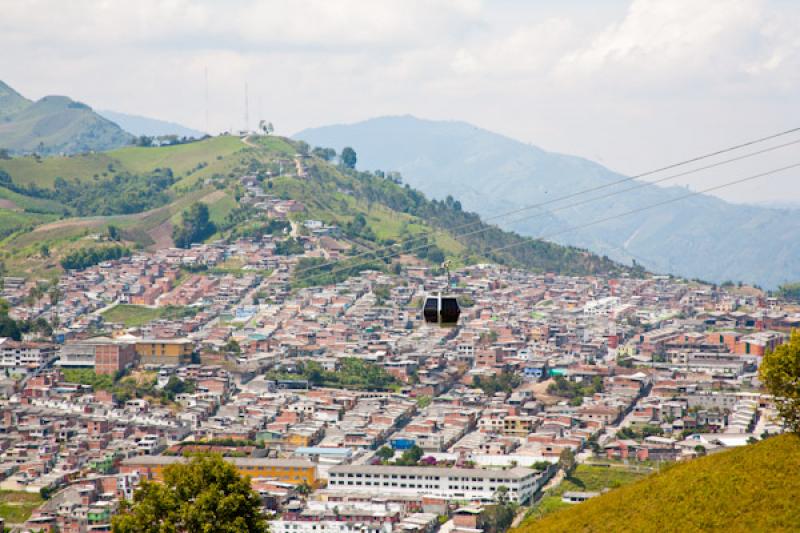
(585, 478)
(87, 376)
(16, 506)
(752, 488)
(138, 315)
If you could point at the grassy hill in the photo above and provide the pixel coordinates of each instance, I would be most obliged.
(67, 202)
(53, 125)
(752, 488)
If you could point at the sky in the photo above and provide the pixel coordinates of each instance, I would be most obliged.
(632, 84)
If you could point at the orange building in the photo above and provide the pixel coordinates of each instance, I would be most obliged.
(286, 470)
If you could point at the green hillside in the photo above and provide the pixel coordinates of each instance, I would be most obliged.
(752, 488)
(68, 202)
(54, 124)
(11, 101)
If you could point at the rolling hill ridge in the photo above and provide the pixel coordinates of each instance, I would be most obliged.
(700, 237)
(46, 205)
(54, 125)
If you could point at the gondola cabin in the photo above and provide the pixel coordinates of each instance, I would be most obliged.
(441, 310)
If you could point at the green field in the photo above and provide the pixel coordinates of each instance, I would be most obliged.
(138, 315)
(751, 488)
(17, 506)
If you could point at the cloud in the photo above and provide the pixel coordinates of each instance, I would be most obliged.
(683, 41)
(585, 77)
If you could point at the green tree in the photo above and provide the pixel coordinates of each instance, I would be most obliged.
(44, 250)
(233, 346)
(204, 495)
(196, 226)
(412, 455)
(780, 373)
(567, 460)
(328, 154)
(112, 232)
(349, 157)
(385, 453)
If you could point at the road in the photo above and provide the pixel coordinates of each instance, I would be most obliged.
(611, 431)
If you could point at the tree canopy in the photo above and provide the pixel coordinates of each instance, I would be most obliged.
(205, 495)
(196, 226)
(349, 157)
(780, 372)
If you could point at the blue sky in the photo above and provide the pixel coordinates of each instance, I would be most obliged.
(632, 84)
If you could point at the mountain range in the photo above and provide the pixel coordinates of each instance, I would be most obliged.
(54, 125)
(151, 127)
(699, 237)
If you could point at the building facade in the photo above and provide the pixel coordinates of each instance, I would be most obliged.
(472, 484)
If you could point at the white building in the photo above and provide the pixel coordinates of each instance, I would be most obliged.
(27, 355)
(449, 483)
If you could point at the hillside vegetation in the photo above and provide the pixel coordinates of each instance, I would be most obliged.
(752, 488)
(68, 203)
(54, 124)
(702, 237)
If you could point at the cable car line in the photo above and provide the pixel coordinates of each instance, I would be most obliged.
(588, 224)
(418, 236)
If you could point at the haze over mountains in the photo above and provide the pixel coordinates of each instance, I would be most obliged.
(151, 127)
(702, 236)
(53, 125)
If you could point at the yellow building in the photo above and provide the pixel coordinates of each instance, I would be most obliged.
(518, 426)
(294, 471)
(164, 351)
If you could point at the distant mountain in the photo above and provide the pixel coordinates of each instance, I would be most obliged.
(11, 101)
(702, 237)
(54, 124)
(150, 127)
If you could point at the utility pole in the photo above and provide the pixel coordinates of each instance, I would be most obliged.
(246, 109)
(206, 84)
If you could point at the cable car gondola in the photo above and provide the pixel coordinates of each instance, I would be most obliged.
(442, 310)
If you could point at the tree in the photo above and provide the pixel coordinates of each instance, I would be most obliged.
(780, 373)
(233, 346)
(348, 157)
(55, 295)
(385, 453)
(328, 154)
(304, 489)
(567, 460)
(265, 127)
(196, 226)
(44, 250)
(206, 494)
(112, 232)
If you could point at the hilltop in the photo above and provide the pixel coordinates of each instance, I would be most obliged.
(53, 125)
(701, 237)
(54, 201)
(752, 488)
